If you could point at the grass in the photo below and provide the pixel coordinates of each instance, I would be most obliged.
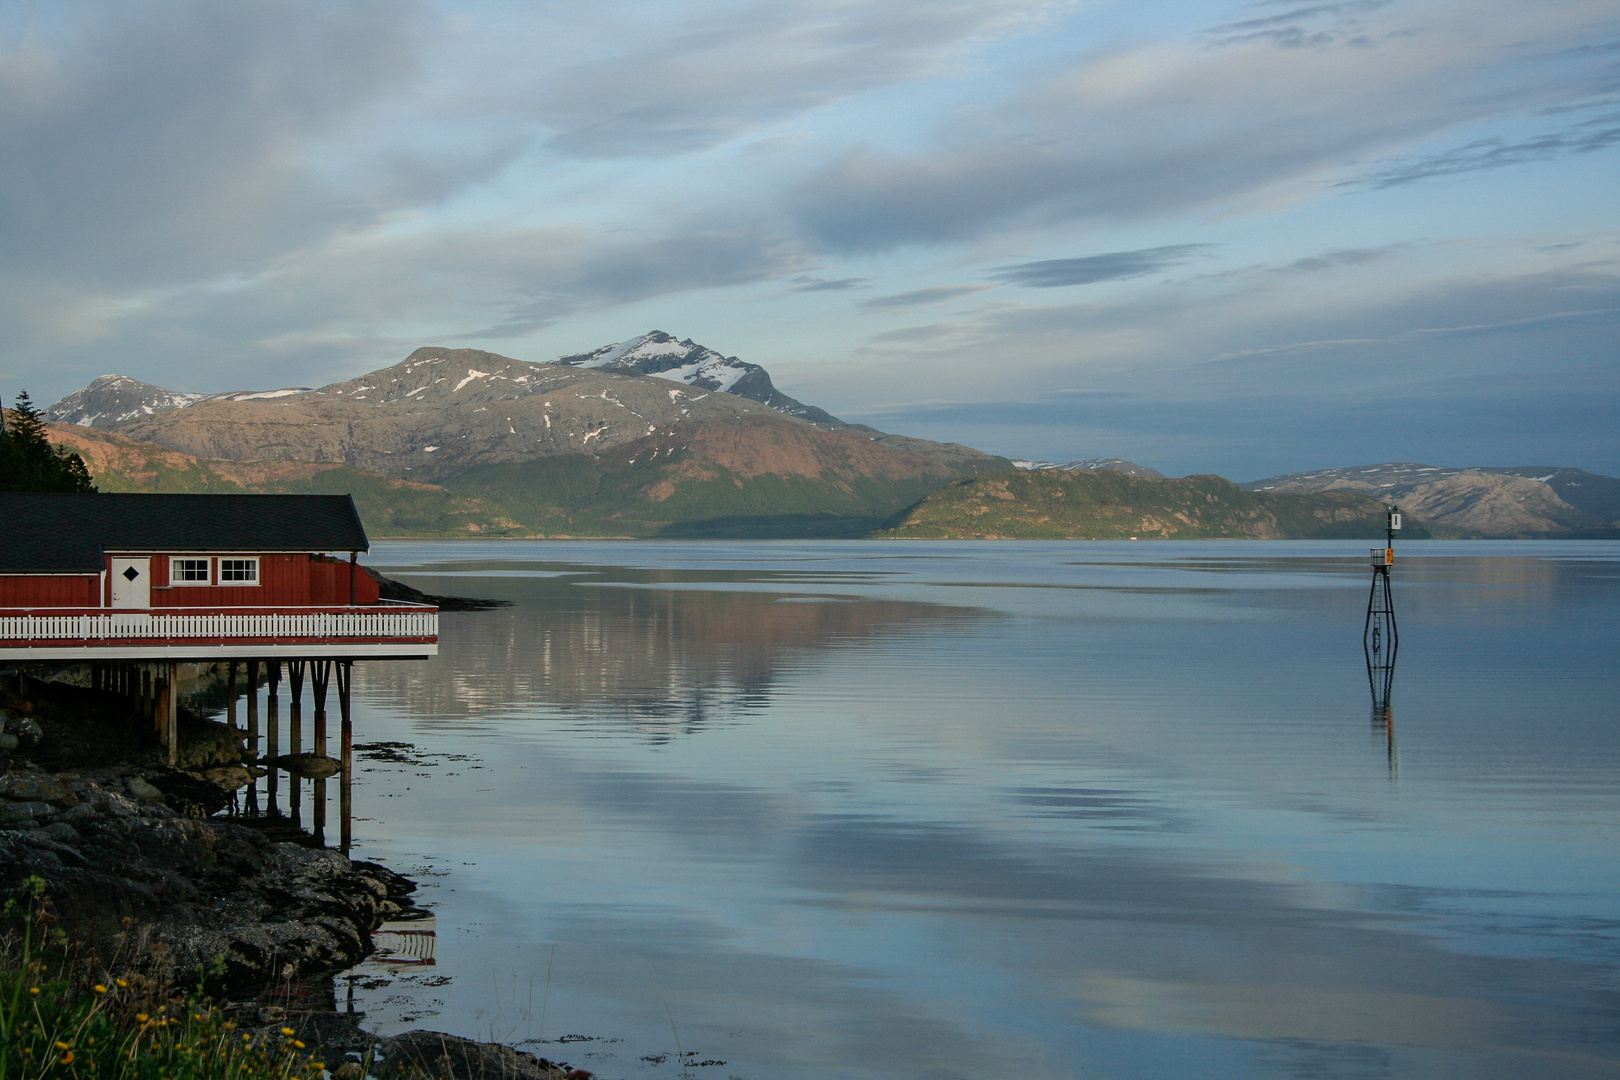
(64, 1015)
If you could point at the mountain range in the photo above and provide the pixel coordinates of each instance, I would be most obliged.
(656, 436)
(588, 445)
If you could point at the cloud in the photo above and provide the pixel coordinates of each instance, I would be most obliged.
(340, 308)
(805, 283)
(1137, 133)
(1598, 133)
(1088, 269)
(736, 68)
(921, 297)
(153, 143)
(1302, 26)
(1329, 260)
(1247, 376)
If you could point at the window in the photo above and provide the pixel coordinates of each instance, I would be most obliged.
(239, 571)
(188, 572)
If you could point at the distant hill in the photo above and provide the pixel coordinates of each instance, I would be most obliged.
(1104, 504)
(1520, 502)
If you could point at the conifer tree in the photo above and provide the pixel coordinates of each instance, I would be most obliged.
(28, 461)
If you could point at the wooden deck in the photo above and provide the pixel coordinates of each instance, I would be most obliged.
(388, 629)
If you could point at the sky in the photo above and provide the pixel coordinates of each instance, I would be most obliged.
(1242, 238)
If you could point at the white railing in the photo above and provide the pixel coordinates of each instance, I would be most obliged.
(127, 625)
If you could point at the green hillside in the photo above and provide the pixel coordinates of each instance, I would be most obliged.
(575, 495)
(1053, 504)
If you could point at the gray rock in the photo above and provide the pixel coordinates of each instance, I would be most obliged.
(308, 766)
(25, 728)
(143, 791)
(229, 777)
(36, 787)
(13, 814)
(432, 1053)
(9, 743)
(60, 832)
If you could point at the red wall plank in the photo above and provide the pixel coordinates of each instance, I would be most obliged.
(48, 590)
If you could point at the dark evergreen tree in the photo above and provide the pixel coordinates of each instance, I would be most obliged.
(28, 461)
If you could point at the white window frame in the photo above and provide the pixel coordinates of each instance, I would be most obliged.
(236, 583)
(174, 571)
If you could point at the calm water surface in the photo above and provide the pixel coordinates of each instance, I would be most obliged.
(880, 809)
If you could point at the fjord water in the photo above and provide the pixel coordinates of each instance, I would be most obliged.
(939, 809)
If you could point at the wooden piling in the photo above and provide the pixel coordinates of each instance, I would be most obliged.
(171, 711)
(253, 708)
(345, 677)
(295, 734)
(272, 740)
(320, 677)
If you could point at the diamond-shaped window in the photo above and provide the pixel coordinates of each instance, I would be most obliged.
(131, 574)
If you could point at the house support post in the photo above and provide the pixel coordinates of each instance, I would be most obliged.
(171, 711)
(320, 674)
(230, 692)
(144, 694)
(345, 680)
(295, 733)
(253, 708)
(253, 733)
(272, 719)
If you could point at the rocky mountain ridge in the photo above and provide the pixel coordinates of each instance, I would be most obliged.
(1106, 504)
(658, 353)
(112, 400)
(1484, 502)
(117, 399)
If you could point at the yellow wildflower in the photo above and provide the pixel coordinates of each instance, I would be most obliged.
(289, 1032)
(60, 1045)
(298, 1044)
(34, 990)
(98, 988)
(67, 1058)
(122, 984)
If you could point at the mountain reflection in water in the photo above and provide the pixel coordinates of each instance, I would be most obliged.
(882, 810)
(613, 646)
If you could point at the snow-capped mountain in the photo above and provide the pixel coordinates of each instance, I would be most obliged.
(1129, 468)
(658, 353)
(118, 399)
(113, 399)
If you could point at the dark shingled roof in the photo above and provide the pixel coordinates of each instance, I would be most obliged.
(68, 533)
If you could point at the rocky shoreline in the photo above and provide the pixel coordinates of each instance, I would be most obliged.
(138, 870)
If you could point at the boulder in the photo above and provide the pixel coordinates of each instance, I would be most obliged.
(432, 1053)
(25, 728)
(143, 791)
(36, 787)
(308, 766)
(229, 777)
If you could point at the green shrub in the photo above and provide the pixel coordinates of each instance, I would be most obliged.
(62, 1016)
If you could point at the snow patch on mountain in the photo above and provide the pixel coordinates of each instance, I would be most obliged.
(685, 361)
(1129, 468)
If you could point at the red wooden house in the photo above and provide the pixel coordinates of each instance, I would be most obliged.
(132, 585)
(194, 577)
